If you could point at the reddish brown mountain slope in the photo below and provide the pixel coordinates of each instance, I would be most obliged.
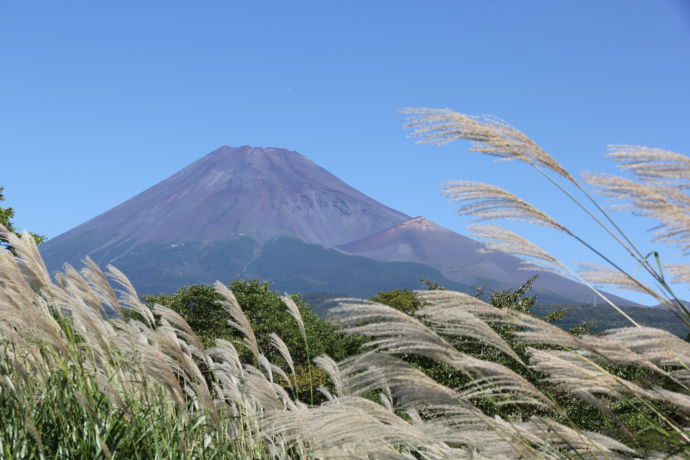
(458, 258)
(260, 192)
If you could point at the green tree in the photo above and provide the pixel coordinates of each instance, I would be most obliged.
(267, 314)
(432, 285)
(6, 214)
(403, 300)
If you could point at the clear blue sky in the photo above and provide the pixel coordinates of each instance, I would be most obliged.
(100, 100)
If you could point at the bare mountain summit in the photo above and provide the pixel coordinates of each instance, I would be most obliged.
(243, 213)
(272, 214)
(259, 192)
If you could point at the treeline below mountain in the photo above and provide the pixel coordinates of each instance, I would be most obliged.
(602, 317)
(596, 318)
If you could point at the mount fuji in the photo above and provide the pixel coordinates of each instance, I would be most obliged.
(273, 214)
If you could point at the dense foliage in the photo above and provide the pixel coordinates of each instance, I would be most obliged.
(267, 314)
(608, 416)
(199, 306)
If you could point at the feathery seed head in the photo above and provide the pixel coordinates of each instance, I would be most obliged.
(239, 319)
(502, 240)
(488, 202)
(283, 349)
(294, 312)
(650, 164)
(598, 274)
(665, 204)
(490, 136)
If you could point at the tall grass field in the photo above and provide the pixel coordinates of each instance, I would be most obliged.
(90, 370)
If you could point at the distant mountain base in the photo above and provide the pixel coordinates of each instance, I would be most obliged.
(320, 274)
(599, 317)
(602, 317)
(289, 264)
(297, 267)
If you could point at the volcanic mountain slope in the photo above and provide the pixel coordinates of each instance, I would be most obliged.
(459, 259)
(272, 214)
(257, 192)
(242, 212)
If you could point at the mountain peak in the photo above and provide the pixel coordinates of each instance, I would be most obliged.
(250, 150)
(278, 164)
(228, 153)
(404, 234)
(219, 214)
(262, 192)
(420, 223)
(417, 224)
